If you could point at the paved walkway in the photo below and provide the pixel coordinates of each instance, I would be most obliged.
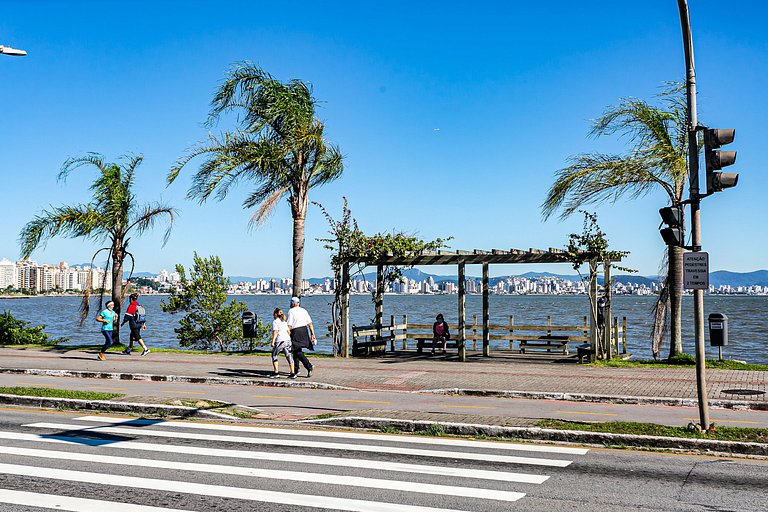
(409, 372)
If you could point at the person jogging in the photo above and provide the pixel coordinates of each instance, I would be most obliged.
(107, 319)
(137, 321)
(302, 335)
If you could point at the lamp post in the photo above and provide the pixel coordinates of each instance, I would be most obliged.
(693, 194)
(7, 50)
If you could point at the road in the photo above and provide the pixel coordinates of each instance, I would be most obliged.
(286, 403)
(67, 461)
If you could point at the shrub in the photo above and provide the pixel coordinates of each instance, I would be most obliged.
(15, 332)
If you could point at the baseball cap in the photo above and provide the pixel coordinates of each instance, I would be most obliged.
(295, 300)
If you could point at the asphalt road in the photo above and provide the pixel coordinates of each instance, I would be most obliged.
(67, 461)
(286, 403)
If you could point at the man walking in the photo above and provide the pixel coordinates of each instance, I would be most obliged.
(302, 335)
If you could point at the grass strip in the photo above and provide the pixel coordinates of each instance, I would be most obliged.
(747, 435)
(58, 393)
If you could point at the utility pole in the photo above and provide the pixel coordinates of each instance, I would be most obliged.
(693, 182)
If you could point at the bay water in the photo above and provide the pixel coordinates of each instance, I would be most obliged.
(747, 317)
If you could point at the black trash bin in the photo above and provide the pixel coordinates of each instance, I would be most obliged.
(718, 330)
(249, 324)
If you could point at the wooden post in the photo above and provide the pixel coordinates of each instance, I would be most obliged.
(616, 334)
(592, 303)
(511, 332)
(392, 332)
(624, 335)
(379, 299)
(345, 310)
(462, 323)
(486, 313)
(607, 309)
(405, 332)
(474, 333)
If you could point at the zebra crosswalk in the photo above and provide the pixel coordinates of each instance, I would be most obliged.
(99, 462)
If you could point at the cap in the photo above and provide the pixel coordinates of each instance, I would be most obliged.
(295, 300)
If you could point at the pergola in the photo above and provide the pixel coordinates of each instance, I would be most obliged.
(463, 258)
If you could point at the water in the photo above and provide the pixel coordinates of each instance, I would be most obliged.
(748, 322)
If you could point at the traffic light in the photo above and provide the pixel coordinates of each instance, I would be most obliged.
(716, 160)
(674, 233)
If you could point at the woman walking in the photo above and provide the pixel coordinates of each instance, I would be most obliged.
(281, 342)
(107, 319)
(136, 318)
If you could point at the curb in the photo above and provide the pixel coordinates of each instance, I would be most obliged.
(542, 434)
(172, 378)
(100, 405)
(613, 399)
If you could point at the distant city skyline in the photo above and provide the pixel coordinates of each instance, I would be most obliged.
(453, 121)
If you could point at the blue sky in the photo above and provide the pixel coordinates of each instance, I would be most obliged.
(453, 116)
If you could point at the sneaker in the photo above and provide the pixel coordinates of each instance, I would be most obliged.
(145, 352)
(127, 351)
(309, 371)
(274, 375)
(293, 376)
(101, 357)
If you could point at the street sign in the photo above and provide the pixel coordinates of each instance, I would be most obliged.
(696, 270)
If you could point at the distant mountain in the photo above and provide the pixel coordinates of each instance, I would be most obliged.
(718, 278)
(724, 277)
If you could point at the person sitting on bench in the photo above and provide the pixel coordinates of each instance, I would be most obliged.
(440, 333)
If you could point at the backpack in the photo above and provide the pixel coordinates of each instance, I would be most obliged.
(141, 314)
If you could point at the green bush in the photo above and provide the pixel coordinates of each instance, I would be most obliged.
(15, 332)
(682, 359)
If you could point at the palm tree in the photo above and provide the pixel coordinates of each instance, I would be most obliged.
(656, 159)
(278, 145)
(111, 217)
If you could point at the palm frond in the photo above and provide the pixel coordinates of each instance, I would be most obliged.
(595, 178)
(266, 207)
(148, 215)
(94, 159)
(67, 221)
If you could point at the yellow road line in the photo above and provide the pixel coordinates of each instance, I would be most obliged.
(585, 412)
(107, 387)
(31, 384)
(470, 406)
(183, 392)
(273, 396)
(712, 420)
(363, 401)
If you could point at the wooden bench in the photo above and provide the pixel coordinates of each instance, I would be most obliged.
(429, 342)
(547, 342)
(366, 342)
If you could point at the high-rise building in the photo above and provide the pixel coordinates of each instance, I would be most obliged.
(8, 274)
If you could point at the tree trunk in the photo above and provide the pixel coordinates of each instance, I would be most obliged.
(675, 276)
(118, 256)
(298, 253)
(299, 203)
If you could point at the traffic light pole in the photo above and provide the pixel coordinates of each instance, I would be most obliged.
(693, 181)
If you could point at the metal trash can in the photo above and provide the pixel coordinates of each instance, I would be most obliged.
(718, 330)
(249, 324)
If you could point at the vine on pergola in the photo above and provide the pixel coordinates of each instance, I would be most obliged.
(348, 245)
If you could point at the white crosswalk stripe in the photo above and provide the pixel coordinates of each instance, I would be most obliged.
(509, 459)
(108, 451)
(432, 441)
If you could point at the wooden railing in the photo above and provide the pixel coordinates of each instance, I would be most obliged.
(370, 339)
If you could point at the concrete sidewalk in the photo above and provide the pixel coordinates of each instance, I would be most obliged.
(503, 375)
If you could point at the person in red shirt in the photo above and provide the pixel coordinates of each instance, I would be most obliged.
(137, 323)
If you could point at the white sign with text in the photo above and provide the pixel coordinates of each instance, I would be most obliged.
(696, 270)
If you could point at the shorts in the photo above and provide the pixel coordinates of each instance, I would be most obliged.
(135, 334)
(285, 348)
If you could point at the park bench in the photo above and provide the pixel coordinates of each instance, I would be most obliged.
(367, 342)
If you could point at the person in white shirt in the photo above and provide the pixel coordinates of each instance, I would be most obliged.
(302, 335)
(281, 342)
